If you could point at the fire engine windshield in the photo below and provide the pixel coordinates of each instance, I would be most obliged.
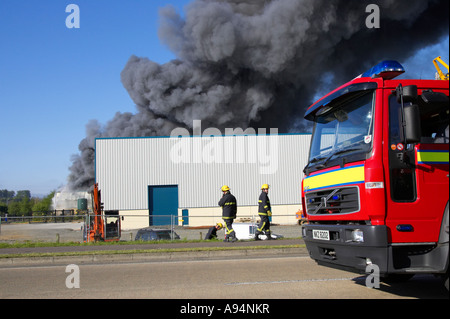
(343, 128)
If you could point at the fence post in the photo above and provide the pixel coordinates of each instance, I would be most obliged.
(87, 225)
(171, 226)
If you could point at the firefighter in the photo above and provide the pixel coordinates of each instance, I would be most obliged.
(212, 232)
(264, 212)
(229, 209)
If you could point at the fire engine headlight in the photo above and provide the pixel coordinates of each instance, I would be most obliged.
(358, 236)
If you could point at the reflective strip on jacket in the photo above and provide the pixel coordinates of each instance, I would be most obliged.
(229, 206)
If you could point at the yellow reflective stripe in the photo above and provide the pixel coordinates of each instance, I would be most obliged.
(229, 231)
(230, 203)
(262, 227)
(266, 206)
(432, 157)
(263, 214)
(338, 177)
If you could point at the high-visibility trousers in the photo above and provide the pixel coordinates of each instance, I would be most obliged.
(229, 231)
(264, 224)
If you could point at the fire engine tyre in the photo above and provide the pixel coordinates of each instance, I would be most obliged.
(397, 278)
(446, 281)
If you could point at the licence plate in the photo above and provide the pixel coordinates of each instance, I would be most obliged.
(321, 234)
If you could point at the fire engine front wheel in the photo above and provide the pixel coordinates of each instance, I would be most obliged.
(446, 280)
(397, 278)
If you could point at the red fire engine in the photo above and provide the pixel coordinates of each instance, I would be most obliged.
(376, 187)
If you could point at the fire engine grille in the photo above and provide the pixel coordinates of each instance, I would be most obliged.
(333, 201)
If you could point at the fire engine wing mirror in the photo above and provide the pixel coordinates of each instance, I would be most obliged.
(412, 124)
(406, 93)
(411, 114)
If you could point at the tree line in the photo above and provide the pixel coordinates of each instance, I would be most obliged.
(21, 203)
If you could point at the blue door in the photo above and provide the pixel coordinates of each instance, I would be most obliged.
(162, 204)
(185, 215)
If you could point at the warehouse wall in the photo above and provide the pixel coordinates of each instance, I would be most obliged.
(282, 214)
(125, 167)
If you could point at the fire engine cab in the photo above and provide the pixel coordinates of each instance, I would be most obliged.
(376, 186)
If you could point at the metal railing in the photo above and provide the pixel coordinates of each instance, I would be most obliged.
(70, 228)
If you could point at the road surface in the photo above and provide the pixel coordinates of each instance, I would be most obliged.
(255, 278)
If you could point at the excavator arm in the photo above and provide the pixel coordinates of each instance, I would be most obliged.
(97, 231)
(440, 74)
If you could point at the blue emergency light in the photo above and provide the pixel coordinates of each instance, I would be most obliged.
(388, 70)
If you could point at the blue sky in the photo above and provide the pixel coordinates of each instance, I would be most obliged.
(53, 80)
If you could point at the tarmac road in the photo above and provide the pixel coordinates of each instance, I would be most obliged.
(255, 278)
(257, 273)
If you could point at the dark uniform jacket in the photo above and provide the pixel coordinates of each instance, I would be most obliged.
(212, 233)
(264, 204)
(229, 206)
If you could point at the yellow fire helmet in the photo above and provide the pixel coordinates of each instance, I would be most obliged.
(220, 225)
(225, 188)
(265, 186)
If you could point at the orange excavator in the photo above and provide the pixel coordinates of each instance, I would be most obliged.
(101, 225)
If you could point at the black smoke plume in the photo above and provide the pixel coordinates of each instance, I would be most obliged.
(255, 63)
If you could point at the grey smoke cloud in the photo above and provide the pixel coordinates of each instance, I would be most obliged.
(253, 63)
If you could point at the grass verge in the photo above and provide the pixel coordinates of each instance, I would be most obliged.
(34, 244)
(147, 251)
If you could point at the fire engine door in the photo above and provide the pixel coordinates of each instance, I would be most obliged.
(417, 189)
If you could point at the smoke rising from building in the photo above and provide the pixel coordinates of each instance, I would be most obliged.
(253, 63)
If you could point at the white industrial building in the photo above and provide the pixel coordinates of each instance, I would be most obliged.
(144, 178)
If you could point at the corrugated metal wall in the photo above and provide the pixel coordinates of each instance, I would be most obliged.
(200, 166)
